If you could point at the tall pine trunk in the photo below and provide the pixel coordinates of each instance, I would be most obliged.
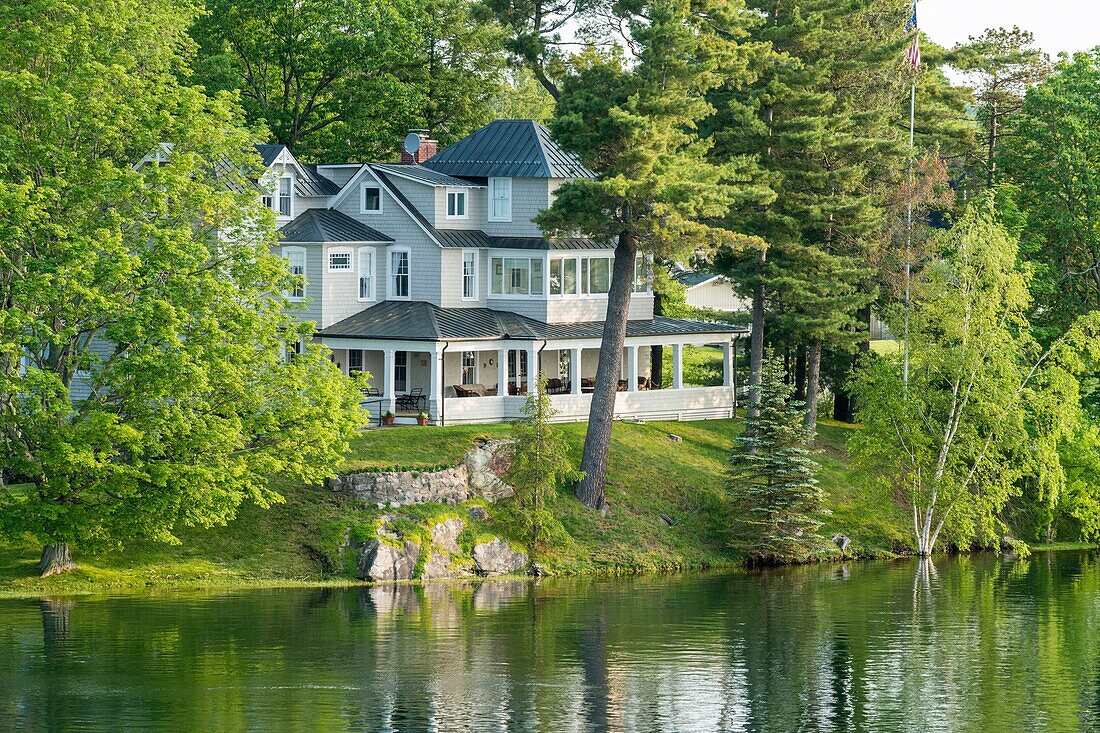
(800, 374)
(756, 344)
(813, 381)
(55, 559)
(597, 441)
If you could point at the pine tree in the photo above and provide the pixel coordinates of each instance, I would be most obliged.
(540, 465)
(774, 494)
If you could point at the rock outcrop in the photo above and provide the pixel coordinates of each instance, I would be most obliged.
(496, 557)
(444, 558)
(380, 561)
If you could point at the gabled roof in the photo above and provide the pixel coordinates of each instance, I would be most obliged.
(270, 153)
(421, 321)
(329, 225)
(694, 278)
(421, 174)
(510, 149)
(472, 238)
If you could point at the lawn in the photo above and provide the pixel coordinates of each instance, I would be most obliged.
(652, 479)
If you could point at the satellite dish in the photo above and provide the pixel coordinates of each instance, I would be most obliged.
(412, 143)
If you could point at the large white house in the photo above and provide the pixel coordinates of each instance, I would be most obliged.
(431, 276)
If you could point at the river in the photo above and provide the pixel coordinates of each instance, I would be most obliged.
(961, 644)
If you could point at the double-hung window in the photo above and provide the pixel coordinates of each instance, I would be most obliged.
(399, 274)
(366, 273)
(469, 275)
(400, 371)
(296, 263)
(500, 199)
(517, 276)
(286, 194)
(355, 361)
(339, 260)
(456, 204)
(469, 367)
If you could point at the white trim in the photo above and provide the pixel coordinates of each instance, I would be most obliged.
(373, 295)
(477, 272)
(456, 192)
(363, 199)
(390, 252)
(277, 196)
(493, 182)
(541, 257)
(285, 253)
(339, 251)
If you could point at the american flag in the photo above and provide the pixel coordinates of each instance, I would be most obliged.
(912, 54)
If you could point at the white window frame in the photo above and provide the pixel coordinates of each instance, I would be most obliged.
(358, 369)
(646, 264)
(401, 383)
(363, 199)
(576, 276)
(456, 192)
(277, 199)
(542, 278)
(494, 184)
(372, 274)
(463, 366)
(391, 275)
(292, 295)
(340, 251)
(472, 278)
(584, 275)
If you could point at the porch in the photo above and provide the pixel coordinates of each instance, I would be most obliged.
(482, 367)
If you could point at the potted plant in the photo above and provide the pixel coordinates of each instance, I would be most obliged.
(422, 418)
(387, 418)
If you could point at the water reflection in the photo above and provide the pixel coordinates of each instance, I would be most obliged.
(968, 644)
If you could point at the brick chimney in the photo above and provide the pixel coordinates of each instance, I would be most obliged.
(417, 147)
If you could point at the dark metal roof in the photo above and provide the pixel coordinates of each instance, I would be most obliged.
(424, 175)
(314, 184)
(474, 238)
(329, 225)
(691, 278)
(270, 152)
(511, 149)
(420, 321)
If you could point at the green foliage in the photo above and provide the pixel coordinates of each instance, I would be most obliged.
(346, 79)
(985, 408)
(773, 490)
(1052, 157)
(540, 464)
(152, 286)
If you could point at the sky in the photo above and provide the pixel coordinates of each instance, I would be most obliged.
(1058, 25)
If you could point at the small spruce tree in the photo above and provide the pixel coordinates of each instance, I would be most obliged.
(539, 466)
(774, 493)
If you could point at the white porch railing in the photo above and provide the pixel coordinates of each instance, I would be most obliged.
(690, 403)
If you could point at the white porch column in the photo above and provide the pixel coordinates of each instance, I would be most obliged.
(631, 368)
(502, 371)
(532, 369)
(387, 380)
(435, 391)
(575, 371)
(727, 364)
(677, 366)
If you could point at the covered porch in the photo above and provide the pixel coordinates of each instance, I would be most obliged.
(468, 374)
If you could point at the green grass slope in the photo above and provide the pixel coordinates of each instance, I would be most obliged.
(650, 477)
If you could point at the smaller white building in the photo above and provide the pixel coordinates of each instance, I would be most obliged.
(711, 291)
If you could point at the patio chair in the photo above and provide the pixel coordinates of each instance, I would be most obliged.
(411, 400)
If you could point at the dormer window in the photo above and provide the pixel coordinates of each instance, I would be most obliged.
(500, 199)
(371, 200)
(285, 195)
(456, 204)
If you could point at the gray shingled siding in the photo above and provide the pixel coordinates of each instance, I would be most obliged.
(338, 174)
(574, 310)
(81, 386)
(340, 291)
(421, 195)
(451, 285)
(529, 197)
(311, 308)
(424, 258)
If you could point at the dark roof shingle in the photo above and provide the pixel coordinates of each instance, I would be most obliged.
(329, 225)
(423, 175)
(510, 149)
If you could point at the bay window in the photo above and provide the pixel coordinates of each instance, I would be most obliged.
(517, 276)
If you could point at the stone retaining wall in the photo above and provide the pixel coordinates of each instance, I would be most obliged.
(479, 475)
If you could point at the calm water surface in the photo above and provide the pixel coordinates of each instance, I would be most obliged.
(972, 644)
